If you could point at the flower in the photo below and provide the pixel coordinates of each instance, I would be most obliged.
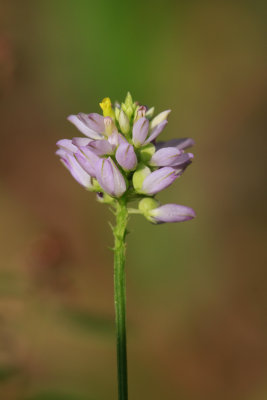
(171, 213)
(121, 156)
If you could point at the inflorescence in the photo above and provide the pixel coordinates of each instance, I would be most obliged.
(121, 157)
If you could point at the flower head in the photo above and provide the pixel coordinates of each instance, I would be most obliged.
(121, 156)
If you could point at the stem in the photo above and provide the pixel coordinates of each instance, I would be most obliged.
(120, 296)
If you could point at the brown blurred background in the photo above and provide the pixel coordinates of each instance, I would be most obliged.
(196, 291)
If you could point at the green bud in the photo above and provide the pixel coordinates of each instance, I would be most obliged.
(147, 204)
(128, 100)
(139, 113)
(150, 113)
(139, 176)
(124, 122)
(159, 118)
(146, 152)
(127, 109)
(117, 113)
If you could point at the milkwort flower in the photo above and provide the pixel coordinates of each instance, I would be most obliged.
(121, 156)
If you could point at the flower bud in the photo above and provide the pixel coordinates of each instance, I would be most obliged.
(171, 213)
(124, 122)
(128, 106)
(150, 113)
(117, 113)
(128, 100)
(107, 108)
(140, 131)
(139, 176)
(109, 126)
(159, 118)
(140, 112)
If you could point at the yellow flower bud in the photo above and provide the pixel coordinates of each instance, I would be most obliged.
(107, 108)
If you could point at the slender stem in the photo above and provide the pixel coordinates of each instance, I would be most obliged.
(120, 296)
(134, 211)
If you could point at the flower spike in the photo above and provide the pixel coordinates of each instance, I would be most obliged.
(120, 155)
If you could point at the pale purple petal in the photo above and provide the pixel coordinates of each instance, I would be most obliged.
(110, 178)
(178, 143)
(172, 213)
(76, 170)
(166, 157)
(122, 139)
(159, 180)
(101, 147)
(67, 145)
(91, 125)
(156, 131)
(140, 131)
(87, 159)
(126, 156)
(61, 153)
(115, 139)
(81, 141)
(183, 160)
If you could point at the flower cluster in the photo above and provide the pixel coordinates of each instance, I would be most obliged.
(121, 157)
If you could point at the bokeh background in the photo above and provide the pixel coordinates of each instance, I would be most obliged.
(196, 291)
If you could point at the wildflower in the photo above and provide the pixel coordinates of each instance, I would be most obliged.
(166, 213)
(121, 161)
(171, 213)
(120, 156)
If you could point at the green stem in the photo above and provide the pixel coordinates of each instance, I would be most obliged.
(120, 296)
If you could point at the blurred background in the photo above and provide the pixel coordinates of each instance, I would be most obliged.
(196, 291)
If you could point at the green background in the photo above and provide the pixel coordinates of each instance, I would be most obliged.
(196, 291)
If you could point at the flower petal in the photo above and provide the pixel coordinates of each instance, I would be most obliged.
(156, 131)
(81, 141)
(91, 125)
(101, 147)
(166, 157)
(159, 180)
(180, 144)
(126, 156)
(171, 213)
(76, 170)
(115, 139)
(110, 178)
(140, 131)
(87, 159)
(67, 145)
